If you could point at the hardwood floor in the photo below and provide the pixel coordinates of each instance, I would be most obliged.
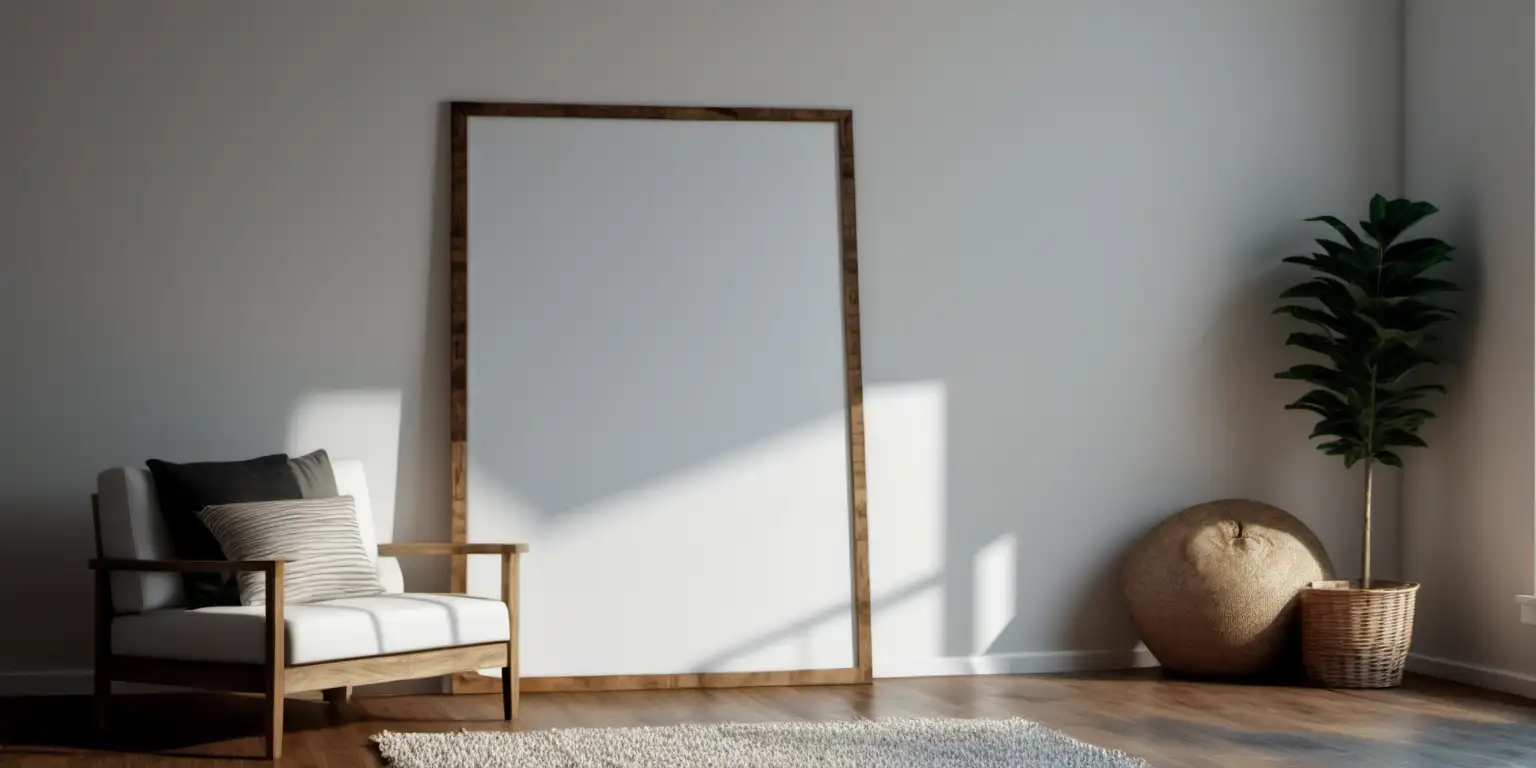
(1171, 723)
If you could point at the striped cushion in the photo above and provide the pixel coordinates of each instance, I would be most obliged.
(319, 537)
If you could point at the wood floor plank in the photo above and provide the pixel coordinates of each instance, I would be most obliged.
(1172, 723)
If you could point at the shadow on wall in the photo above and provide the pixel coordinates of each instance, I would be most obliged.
(1243, 395)
(1260, 451)
(168, 369)
(1448, 479)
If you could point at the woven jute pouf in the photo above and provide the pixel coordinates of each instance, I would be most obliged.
(1213, 589)
(1357, 638)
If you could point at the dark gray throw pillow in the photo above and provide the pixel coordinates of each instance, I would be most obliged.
(183, 491)
(313, 471)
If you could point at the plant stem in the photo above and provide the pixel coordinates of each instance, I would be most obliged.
(1370, 432)
(1365, 560)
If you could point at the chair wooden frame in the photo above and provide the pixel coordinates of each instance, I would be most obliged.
(274, 677)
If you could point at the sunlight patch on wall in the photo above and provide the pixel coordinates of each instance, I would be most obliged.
(362, 424)
(750, 570)
(996, 584)
(906, 445)
(739, 563)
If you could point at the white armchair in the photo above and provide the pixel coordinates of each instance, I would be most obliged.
(144, 633)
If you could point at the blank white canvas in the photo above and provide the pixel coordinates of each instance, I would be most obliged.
(656, 392)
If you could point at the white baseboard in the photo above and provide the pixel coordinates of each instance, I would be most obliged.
(1504, 680)
(1030, 663)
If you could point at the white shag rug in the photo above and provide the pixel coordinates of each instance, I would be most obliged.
(893, 743)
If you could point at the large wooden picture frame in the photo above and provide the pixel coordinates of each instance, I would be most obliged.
(461, 112)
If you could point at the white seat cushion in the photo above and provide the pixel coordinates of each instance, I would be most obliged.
(325, 631)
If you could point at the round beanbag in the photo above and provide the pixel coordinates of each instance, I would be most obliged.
(1213, 589)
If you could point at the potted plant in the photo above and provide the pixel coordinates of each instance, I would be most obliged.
(1373, 310)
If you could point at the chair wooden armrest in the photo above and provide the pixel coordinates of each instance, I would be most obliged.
(270, 672)
(444, 548)
(510, 554)
(185, 566)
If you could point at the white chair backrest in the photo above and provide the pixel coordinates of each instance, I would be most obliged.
(131, 527)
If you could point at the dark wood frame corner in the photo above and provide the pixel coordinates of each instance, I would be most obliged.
(274, 678)
(863, 669)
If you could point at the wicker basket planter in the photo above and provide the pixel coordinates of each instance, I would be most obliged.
(1357, 638)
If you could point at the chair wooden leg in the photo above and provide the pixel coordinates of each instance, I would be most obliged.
(338, 697)
(101, 698)
(274, 726)
(511, 688)
(506, 693)
(101, 702)
(276, 658)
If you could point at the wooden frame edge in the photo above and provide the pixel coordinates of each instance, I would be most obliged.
(459, 114)
(458, 331)
(853, 359)
(469, 109)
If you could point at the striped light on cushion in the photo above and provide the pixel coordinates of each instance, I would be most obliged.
(319, 536)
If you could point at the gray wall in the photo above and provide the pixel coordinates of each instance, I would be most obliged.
(221, 219)
(1467, 500)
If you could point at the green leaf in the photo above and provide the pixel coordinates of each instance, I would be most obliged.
(1402, 437)
(1398, 216)
(1323, 403)
(1346, 429)
(1359, 262)
(1393, 317)
(1343, 229)
(1327, 265)
(1419, 286)
(1320, 344)
(1391, 414)
(1315, 316)
(1413, 257)
(1335, 248)
(1384, 216)
(1373, 233)
(1395, 362)
(1389, 458)
(1414, 392)
(1333, 295)
(1322, 376)
(1424, 251)
(1321, 289)
(1409, 425)
(1322, 398)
